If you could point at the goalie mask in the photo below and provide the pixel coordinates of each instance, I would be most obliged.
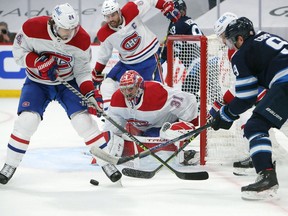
(66, 22)
(240, 27)
(132, 86)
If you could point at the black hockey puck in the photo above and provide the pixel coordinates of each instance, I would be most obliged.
(94, 182)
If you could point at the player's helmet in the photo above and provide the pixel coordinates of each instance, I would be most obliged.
(109, 7)
(180, 5)
(223, 21)
(239, 27)
(131, 85)
(65, 16)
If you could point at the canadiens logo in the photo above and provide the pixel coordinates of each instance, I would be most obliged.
(65, 63)
(131, 42)
(26, 104)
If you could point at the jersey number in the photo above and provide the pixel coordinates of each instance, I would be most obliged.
(277, 44)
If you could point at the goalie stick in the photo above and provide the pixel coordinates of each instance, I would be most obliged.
(149, 174)
(181, 175)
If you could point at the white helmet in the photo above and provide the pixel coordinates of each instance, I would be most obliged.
(223, 21)
(109, 7)
(65, 16)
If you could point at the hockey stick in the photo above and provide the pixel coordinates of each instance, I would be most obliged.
(148, 151)
(111, 159)
(149, 174)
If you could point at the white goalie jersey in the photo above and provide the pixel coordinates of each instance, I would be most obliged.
(158, 104)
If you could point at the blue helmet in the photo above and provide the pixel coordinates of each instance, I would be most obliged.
(239, 27)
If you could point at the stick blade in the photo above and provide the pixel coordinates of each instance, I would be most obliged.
(193, 175)
(138, 173)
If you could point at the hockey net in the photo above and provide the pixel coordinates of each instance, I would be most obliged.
(200, 65)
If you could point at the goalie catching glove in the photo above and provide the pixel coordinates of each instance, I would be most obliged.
(174, 130)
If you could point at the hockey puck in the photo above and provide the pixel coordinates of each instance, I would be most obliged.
(94, 182)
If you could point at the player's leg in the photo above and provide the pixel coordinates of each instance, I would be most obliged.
(87, 127)
(270, 112)
(30, 111)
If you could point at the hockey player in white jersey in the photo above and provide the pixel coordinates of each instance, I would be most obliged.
(143, 107)
(50, 47)
(137, 45)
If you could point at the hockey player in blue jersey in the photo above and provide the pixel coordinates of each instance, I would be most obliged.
(261, 60)
(184, 26)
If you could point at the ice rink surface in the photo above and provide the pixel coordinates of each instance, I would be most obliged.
(53, 180)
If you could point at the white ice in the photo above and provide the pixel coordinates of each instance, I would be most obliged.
(53, 180)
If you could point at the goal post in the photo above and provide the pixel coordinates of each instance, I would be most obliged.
(203, 71)
(200, 65)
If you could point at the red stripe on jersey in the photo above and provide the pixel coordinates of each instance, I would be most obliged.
(22, 141)
(152, 43)
(94, 139)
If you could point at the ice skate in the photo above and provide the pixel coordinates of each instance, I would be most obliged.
(243, 167)
(265, 186)
(191, 157)
(6, 173)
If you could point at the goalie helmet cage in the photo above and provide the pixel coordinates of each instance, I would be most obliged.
(200, 65)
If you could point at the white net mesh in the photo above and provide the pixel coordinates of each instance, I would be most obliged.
(222, 146)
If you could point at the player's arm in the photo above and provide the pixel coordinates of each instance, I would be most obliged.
(103, 56)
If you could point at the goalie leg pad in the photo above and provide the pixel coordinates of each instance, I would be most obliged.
(107, 146)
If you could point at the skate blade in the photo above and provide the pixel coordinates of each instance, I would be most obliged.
(270, 194)
(244, 171)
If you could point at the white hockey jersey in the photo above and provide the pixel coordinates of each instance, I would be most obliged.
(36, 38)
(133, 40)
(158, 104)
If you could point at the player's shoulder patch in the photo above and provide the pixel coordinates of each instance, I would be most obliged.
(104, 32)
(36, 27)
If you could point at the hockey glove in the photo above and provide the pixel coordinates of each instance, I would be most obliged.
(215, 108)
(47, 66)
(170, 11)
(223, 119)
(95, 104)
(97, 77)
